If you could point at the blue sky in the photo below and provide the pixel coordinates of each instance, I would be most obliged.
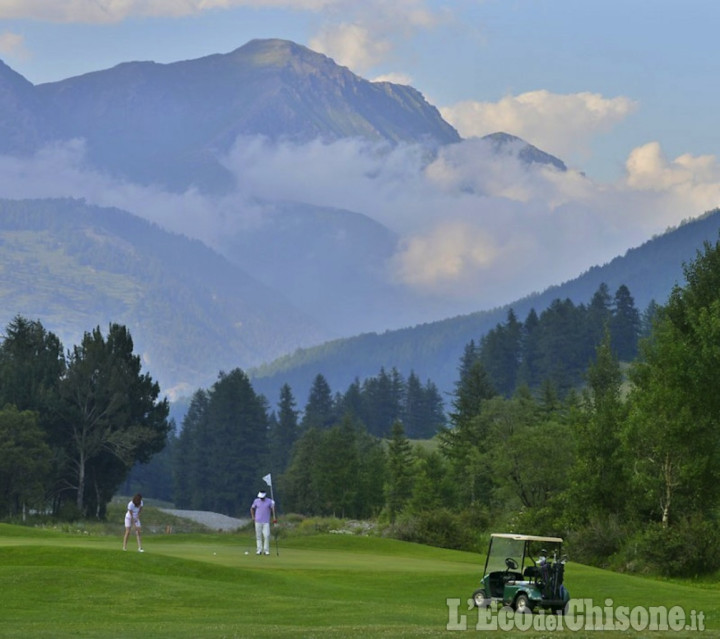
(624, 91)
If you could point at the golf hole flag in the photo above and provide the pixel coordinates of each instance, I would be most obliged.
(268, 479)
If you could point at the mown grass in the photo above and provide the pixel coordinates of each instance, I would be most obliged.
(64, 584)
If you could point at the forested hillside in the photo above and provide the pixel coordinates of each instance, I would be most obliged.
(432, 350)
(626, 476)
(74, 266)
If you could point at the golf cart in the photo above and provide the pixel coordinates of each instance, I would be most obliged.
(519, 572)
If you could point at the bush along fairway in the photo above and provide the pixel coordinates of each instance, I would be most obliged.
(60, 584)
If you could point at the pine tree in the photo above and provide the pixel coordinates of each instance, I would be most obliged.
(400, 471)
(600, 477)
(284, 432)
(625, 325)
(320, 408)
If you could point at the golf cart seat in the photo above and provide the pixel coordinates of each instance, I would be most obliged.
(531, 572)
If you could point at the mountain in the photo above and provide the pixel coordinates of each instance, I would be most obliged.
(20, 126)
(282, 275)
(176, 126)
(173, 126)
(433, 350)
(504, 143)
(327, 262)
(191, 313)
(170, 123)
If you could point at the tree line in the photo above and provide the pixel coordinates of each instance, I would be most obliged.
(557, 345)
(72, 424)
(230, 437)
(621, 460)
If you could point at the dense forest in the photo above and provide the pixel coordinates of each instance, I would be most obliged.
(587, 421)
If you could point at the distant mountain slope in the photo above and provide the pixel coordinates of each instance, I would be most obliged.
(433, 350)
(168, 122)
(330, 263)
(191, 313)
(20, 127)
(527, 153)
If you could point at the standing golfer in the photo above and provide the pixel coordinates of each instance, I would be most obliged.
(132, 518)
(260, 512)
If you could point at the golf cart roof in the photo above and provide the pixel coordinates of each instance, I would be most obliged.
(527, 537)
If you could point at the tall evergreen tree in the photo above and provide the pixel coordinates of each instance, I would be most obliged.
(600, 477)
(599, 313)
(338, 469)
(423, 413)
(191, 455)
(529, 372)
(382, 399)
(284, 431)
(625, 325)
(463, 444)
(400, 471)
(301, 483)
(500, 353)
(320, 408)
(237, 443)
(352, 401)
(31, 366)
(563, 356)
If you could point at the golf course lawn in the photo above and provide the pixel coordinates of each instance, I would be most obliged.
(59, 584)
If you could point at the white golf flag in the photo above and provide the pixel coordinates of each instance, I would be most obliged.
(268, 479)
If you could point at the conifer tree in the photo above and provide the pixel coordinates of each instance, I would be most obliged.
(400, 471)
(320, 408)
(284, 431)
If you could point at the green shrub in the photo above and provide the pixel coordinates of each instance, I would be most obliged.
(687, 548)
(442, 528)
(597, 542)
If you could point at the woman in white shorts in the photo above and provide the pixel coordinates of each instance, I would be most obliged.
(132, 518)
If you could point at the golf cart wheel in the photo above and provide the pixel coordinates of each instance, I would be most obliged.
(480, 598)
(522, 604)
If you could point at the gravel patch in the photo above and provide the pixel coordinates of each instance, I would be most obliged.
(215, 521)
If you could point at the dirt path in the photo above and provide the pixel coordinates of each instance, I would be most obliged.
(215, 521)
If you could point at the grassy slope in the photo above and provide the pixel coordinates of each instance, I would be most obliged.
(57, 584)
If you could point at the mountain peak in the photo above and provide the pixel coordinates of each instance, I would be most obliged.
(273, 50)
(505, 143)
(192, 112)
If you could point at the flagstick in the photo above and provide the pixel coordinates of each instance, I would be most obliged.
(268, 480)
(277, 548)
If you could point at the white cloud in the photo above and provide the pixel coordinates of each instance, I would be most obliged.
(351, 45)
(362, 35)
(13, 45)
(445, 254)
(410, 13)
(395, 78)
(477, 229)
(108, 11)
(691, 181)
(557, 123)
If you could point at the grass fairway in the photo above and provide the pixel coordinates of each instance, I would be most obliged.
(58, 584)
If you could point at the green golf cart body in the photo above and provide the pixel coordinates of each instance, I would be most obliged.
(525, 572)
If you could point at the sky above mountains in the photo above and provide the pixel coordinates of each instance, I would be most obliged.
(623, 91)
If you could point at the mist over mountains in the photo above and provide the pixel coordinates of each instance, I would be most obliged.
(327, 206)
